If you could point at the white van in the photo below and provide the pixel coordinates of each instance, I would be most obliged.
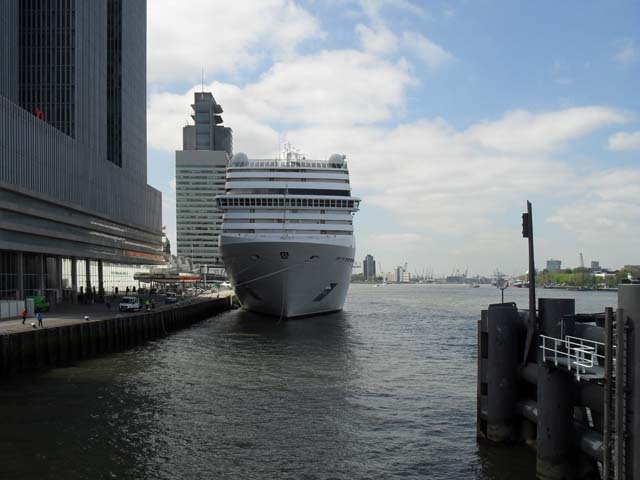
(130, 304)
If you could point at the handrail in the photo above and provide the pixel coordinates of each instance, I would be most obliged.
(579, 352)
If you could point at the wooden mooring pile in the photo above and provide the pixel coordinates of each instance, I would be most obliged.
(566, 383)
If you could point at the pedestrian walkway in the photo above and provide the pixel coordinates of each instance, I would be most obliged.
(68, 314)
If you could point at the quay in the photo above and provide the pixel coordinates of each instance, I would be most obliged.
(567, 384)
(68, 337)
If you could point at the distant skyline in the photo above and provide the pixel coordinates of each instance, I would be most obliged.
(451, 114)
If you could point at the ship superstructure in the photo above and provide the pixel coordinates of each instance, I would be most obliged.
(287, 238)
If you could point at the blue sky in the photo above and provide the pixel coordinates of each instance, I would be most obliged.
(451, 114)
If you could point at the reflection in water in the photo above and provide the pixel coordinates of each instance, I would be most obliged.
(384, 389)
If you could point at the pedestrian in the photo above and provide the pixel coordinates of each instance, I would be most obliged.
(39, 318)
(24, 315)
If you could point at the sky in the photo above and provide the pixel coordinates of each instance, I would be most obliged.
(451, 114)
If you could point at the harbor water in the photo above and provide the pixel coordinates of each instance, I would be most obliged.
(384, 389)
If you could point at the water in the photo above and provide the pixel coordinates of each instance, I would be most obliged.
(385, 389)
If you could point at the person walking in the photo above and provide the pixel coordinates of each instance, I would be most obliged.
(39, 318)
(24, 315)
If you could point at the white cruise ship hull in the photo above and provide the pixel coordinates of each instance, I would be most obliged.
(289, 277)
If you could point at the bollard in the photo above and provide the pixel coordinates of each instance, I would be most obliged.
(555, 409)
(501, 373)
(629, 302)
(552, 311)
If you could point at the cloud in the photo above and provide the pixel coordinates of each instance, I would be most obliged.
(340, 87)
(429, 52)
(526, 132)
(440, 183)
(428, 174)
(605, 215)
(373, 8)
(624, 141)
(379, 41)
(222, 36)
(627, 51)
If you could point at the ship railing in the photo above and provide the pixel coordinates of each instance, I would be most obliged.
(287, 164)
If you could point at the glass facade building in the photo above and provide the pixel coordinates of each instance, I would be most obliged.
(73, 165)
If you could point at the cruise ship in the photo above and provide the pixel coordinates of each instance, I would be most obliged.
(287, 237)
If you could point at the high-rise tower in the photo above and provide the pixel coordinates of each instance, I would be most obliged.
(369, 268)
(200, 176)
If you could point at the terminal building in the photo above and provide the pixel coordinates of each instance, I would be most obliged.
(76, 213)
(200, 176)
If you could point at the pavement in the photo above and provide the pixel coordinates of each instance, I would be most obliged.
(70, 314)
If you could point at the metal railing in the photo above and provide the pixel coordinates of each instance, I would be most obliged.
(577, 352)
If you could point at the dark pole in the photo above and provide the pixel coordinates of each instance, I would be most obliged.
(532, 268)
(527, 232)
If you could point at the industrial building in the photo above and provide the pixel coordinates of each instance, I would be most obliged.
(76, 213)
(200, 176)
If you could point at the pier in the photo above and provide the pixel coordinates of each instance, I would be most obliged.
(567, 384)
(66, 341)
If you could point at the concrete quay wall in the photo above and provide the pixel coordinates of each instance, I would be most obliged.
(62, 345)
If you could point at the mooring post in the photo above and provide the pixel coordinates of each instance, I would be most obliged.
(629, 302)
(481, 417)
(501, 373)
(555, 409)
(608, 420)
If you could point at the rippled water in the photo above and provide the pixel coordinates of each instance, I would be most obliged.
(385, 389)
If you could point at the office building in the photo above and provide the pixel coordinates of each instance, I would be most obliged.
(554, 265)
(76, 212)
(399, 274)
(369, 268)
(200, 176)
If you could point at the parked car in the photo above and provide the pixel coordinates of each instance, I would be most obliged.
(40, 303)
(171, 297)
(130, 304)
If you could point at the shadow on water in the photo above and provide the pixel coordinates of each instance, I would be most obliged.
(499, 462)
(75, 422)
(330, 330)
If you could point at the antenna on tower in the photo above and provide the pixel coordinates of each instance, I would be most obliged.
(202, 80)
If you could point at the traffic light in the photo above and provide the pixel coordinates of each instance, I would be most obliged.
(525, 225)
